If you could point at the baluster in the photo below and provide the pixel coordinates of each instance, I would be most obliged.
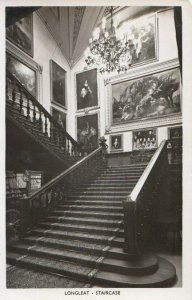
(34, 113)
(68, 146)
(46, 133)
(28, 108)
(40, 120)
(51, 130)
(7, 90)
(14, 94)
(21, 102)
(64, 140)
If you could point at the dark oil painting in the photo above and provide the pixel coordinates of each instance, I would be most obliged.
(151, 96)
(175, 133)
(21, 34)
(59, 116)
(141, 34)
(25, 75)
(58, 76)
(144, 139)
(87, 131)
(86, 83)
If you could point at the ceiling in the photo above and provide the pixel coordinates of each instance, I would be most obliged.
(72, 27)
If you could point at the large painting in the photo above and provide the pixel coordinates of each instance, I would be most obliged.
(86, 83)
(151, 96)
(21, 34)
(143, 31)
(22, 72)
(87, 131)
(59, 116)
(57, 84)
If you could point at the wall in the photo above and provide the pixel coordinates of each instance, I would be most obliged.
(167, 51)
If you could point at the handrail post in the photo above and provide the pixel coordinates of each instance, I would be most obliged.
(131, 243)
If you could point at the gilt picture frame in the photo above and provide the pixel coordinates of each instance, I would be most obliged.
(21, 34)
(59, 116)
(116, 143)
(86, 89)
(58, 84)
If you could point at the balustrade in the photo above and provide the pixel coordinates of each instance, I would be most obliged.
(27, 106)
(138, 205)
(57, 190)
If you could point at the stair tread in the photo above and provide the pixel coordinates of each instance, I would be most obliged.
(88, 213)
(88, 219)
(80, 227)
(72, 234)
(165, 274)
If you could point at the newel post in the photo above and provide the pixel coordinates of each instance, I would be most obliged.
(130, 230)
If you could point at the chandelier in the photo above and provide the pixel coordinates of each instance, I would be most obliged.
(111, 50)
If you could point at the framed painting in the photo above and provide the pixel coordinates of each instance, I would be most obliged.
(24, 74)
(116, 142)
(59, 116)
(143, 98)
(175, 133)
(143, 31)
(58, 79)
(21, 34)
(86, 88)
(87, 131)
(145, 139)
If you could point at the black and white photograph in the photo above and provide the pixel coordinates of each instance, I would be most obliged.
(86, 83)
(58, 82)
(96, 150)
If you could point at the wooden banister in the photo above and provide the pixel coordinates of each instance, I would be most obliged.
(56, 190)
(138, 205)
(32, 109)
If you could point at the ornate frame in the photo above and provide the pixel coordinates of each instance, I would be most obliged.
(88, 114)
(90, 108)
(133, 74)
(59, 110)
(110, 143)
(29, 62)
(51, 85)
(173, 127)
(32, 48)
(145, 129)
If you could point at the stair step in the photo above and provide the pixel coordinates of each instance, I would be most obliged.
(101, 192)
(75, 245)
(58, 254)
(82, 213)
(94, 203)
(91, 221)
(80, 236)
(77, 227)
(91, 207)
(66, 268)
(164, 276)
(100, 197)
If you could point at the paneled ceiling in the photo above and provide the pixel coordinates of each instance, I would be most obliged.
(72, 27)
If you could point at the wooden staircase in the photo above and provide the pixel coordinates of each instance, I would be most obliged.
(83, 237)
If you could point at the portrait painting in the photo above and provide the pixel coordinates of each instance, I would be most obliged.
(59, 116)
(144, 139)
(87, 131)
(175, 133)
(58, 78)
(25, 75)
(141, 34)
(116, 142)
(21, 34)
(86, 88)
(150, 96)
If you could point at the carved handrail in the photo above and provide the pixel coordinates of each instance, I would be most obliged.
(138, 205)
(143, 179)
(57, 189)
(33, 110)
